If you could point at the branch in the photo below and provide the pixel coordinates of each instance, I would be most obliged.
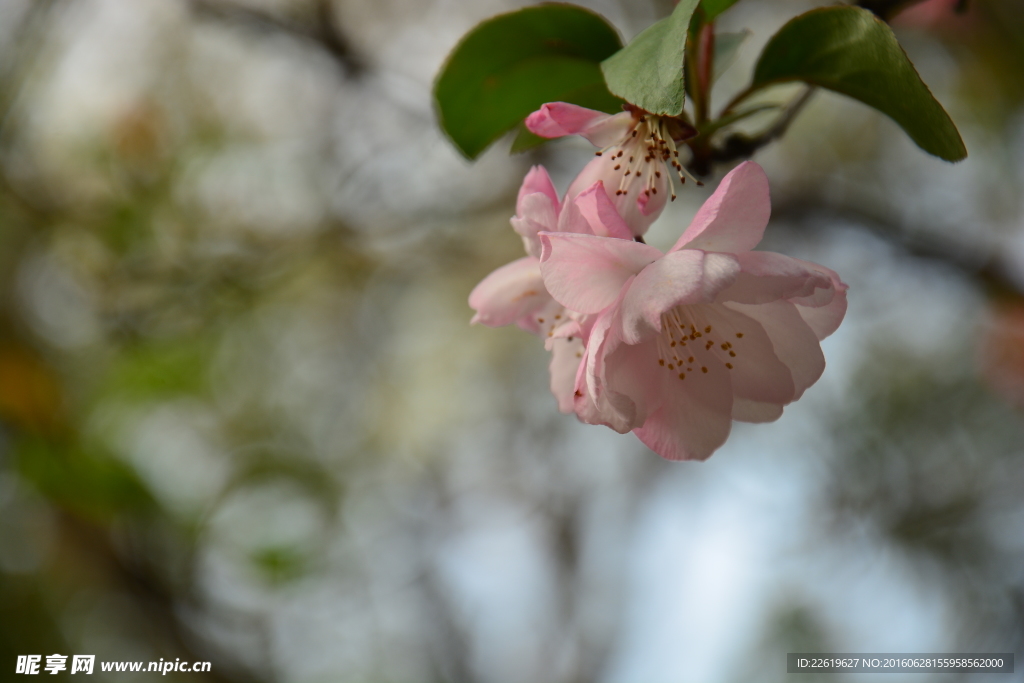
(322, 32)
(995, 274)
(742, 146)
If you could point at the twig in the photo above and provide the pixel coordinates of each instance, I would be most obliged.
(741, 146)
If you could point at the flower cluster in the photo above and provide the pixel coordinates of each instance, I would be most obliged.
(671, 346)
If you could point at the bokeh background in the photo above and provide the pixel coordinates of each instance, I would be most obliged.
(245, 419)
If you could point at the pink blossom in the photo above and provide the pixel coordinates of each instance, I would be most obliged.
(515, 293)
(680, 344)
(637, 151)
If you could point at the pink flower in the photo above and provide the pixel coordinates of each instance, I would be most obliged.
(637, 151)
(680, 344)
(515, 292)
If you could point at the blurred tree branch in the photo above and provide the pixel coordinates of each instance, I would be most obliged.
(994, 274)
(741, 146)
(322, 31)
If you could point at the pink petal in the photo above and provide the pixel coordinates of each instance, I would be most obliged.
(733, 219)
(592, 212)
(636, 209)
(746, 410)
(824, 319)
(792, 340)
(694, 416)
(586, 273)
(536, 181)
(536, 214)
(758, 373)
(766, 276)
(555, 119)
(510, 293)
(678, 278)
(566, 357)
(596, 403)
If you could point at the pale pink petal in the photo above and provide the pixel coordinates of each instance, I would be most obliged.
(510, 293)
(766, 276)
(536, 214)
(792, 340)
(824, 319)
(682, 277)
(586, 273)
(745, 410)
(757, 371)
(733, 219)
(536, 209)
(555, 119)
(566, 357)
(545, 321)
(694, 415)
(536, 181)
(593, 209)
(637, 209)
(595, 401)
(606, 132)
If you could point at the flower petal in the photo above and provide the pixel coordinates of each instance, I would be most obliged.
(733, 219)
(824, 319)
(510, 293)
(681, 277)
(555, 119)
(596, 401)
(693, 418)
(536, 181)
(536, 214)
(636, 208)
(766, 276)
(566, 357)
(585, 273)
(758, 373)
(592, 212)
(792, 340)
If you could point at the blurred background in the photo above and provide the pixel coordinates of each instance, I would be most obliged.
(244, 419)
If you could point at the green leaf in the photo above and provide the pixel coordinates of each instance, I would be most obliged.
(509, 65)
(649, 71)
(850, 51)
(712, 8)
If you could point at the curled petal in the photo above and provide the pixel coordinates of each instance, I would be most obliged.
(586, 273)
(509, 294)
(766, 276)
(682, 277)
(824, 319)
(733, 219)
(555, 119)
